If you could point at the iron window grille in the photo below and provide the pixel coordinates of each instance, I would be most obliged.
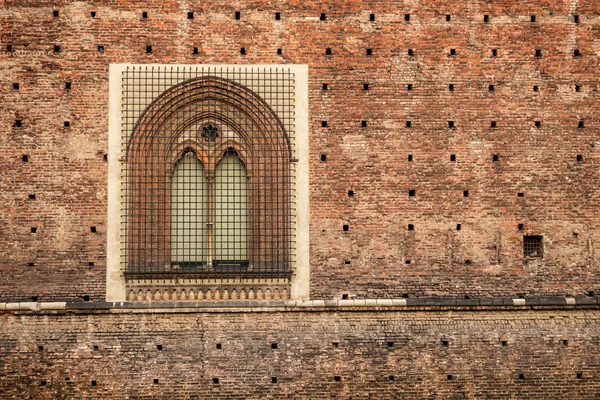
(207, 172)
(533, 247)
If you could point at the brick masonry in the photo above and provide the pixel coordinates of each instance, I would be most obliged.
(428, 354)
(53, 181)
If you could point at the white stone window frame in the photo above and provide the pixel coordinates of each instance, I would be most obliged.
(116, 290)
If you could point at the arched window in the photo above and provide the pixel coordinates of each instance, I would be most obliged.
(208, 171)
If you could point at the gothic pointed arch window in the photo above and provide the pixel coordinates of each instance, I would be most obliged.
(208, 183)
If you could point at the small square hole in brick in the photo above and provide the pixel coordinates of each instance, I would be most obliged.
(155, 381)
(67, 85)
(350, 193)
(100, 49)
(407, 262)
(369, 52)
(347, 262)
(159, 347)
(452, 52)
(238, 15)
(493, 124)
(323, 157)
(86, 297)
(486, 18)
(195, 50)
(450, 124)
(580, 125)
(219, 346)
(363, 124)
(215, 381)
(273, 379)
(34, 298)
(520, 227)
(579, 158)
(565, 342)
(409, 86)
(494, 53)
(345, 228)
(325, 86)
(9, 48)
(31, 197)
(538, 124)
(144, 14)
(576, 19)
(148, 49)
(391, 378)
(324, 124)
(491, 88)
(43, 383)
(458, 227)
(345, 296)
(18, 123)
(335, 344)
(536, 88)
(495, 158)
(521, 376)
(411, 227)
(96, 348)
(90, 264)
(31, 264)
(520, 194)
(371, 17)
(243, 51)
(407, 17)
(538, 53)
(40, 348)
(328, 51)
(411, 52)
(55, 13)
(579, 375)
(465, 193)
(15, 85)
(25, 158)
(56, 48)
(451, 87)
(448, 17)
(576, 53)
(277, 16)
(533, 18)
(390, 345)
(94, 383)
(337, 378)
(33, 230)
(412, 192)
(504, 343)
(453, 157)
(410, 158)
(105, 157)
(323, 17)
(274, 345)
(190, 15)
(365, 86)
(405, 295)
(408, 124)
(449, 377)
(467, 262)
(93, 14)
(67, 124)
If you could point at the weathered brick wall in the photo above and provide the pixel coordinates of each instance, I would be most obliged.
(428, 354)
(67, 173)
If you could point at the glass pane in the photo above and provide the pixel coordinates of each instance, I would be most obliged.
(230, 214)
(188, 213)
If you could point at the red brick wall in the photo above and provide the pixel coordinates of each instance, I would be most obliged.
(484, 353)
(67, 173)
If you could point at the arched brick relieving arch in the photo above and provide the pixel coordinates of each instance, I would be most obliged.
(161, 135)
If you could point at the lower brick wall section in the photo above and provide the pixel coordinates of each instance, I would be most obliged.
(376, 354)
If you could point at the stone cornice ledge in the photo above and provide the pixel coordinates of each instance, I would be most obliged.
(290, 305)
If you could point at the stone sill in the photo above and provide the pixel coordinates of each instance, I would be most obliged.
(432, 304)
